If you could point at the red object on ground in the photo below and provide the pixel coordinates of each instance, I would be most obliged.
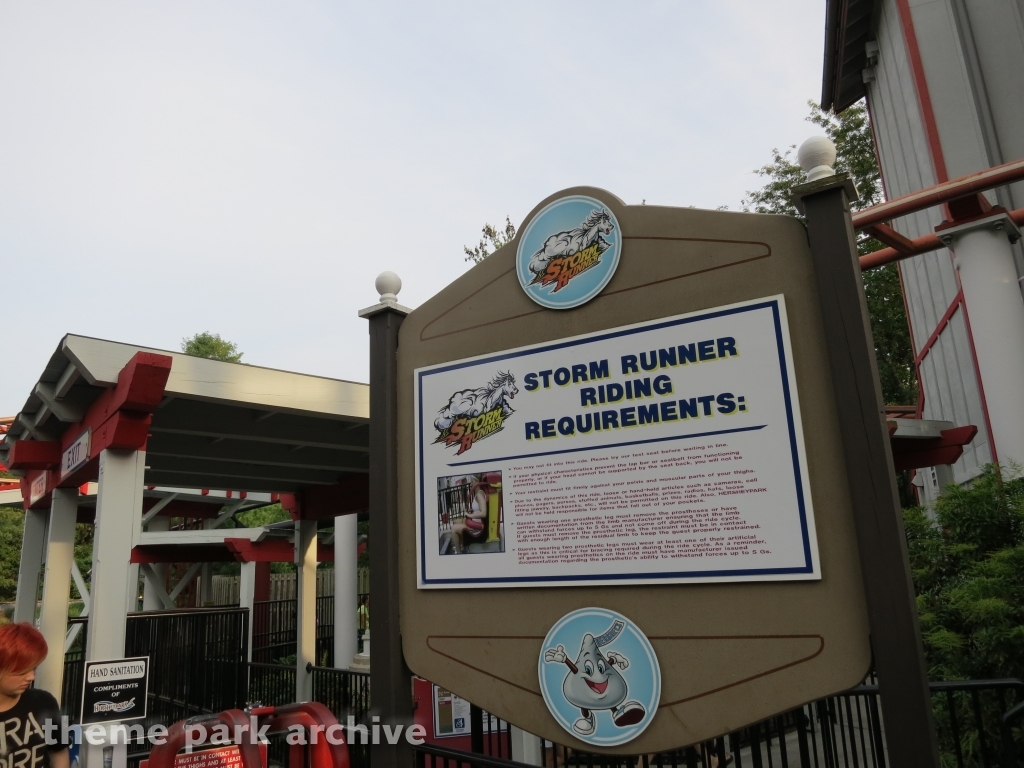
(315, 719)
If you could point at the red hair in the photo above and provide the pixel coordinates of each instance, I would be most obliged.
(22, 647)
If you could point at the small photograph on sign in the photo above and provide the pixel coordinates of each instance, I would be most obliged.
(469, 514)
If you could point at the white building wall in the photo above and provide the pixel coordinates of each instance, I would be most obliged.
(951, 387)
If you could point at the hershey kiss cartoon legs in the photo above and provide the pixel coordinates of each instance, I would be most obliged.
(595, 682)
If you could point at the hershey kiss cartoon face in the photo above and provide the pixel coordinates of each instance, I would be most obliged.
(595, 683)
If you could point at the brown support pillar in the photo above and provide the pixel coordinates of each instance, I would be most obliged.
(390, 678)
(895, 633)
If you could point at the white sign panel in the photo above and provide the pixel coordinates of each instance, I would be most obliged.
(76, 455)
(664, 452)
(37, 490)
(451, 714)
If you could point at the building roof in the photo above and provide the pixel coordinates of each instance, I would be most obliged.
(220, 425)
(849, 26)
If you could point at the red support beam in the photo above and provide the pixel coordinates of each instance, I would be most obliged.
(964, 186)
(181, 553)
(919, 245)
(271, 551)
(34, 454)
(325, 502)
(119, 418)
(915, 453)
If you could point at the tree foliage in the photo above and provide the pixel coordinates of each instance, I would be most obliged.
(968, 568)
(12, 523)
(212, 346)
(855, 154)
(491, 240)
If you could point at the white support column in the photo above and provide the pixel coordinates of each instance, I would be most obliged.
(118, 525)
(305, 582)
(526, 748)
(53, 616)
(206, 577)
(247, 595)
(33, 542)
(150, 599)
(346, 590)
(996, 311)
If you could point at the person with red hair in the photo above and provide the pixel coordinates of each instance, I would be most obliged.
(30, 724)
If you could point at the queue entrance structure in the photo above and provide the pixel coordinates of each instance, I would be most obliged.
(154, 430)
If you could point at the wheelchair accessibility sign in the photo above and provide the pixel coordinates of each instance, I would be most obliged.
(599, 677)
(568, 252)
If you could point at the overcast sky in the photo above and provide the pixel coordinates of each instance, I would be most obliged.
(248, 168)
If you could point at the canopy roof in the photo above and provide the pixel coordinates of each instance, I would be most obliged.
(848, 28)
(220, 425)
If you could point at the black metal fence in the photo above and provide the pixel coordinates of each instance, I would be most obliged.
(198, 665)
(978, 724)
(342, 691)
(197, 661)
(274, 630)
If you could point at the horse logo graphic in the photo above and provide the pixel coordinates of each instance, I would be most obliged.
(597, 681)
(568, 252)
(473, 414)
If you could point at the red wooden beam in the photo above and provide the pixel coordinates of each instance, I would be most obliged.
(119, 418)
(34, 454)
(272, 551)
(181, 553)
(325, 502)
(915, 453)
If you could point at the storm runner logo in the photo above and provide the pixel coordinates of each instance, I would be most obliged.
(473, 414)
(570, 253)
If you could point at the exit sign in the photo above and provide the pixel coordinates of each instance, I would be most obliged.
(76, 455)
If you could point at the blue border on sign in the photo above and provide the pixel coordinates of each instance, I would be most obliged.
(772, 304)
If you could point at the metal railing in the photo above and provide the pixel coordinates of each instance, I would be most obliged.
(197, 661)
(274, 629)
(342, 691)
(271, 685)
(197, 664)
(431, 756)
(978, 724)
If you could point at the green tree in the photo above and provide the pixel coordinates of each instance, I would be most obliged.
(967, 560)
(855, 154)
(211, 345)
(491, 240)
(12, 523)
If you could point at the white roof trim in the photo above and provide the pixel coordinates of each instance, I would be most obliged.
(198, 378)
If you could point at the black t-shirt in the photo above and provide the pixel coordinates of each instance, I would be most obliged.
(23, 731)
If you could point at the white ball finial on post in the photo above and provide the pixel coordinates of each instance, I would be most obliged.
(816, 156)
(388, 284)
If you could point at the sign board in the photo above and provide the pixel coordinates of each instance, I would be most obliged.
(37, 490)
(666, 450)
(221, 757)
(451, 714)
(663, 452)
(75, 455)
(115, 691)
